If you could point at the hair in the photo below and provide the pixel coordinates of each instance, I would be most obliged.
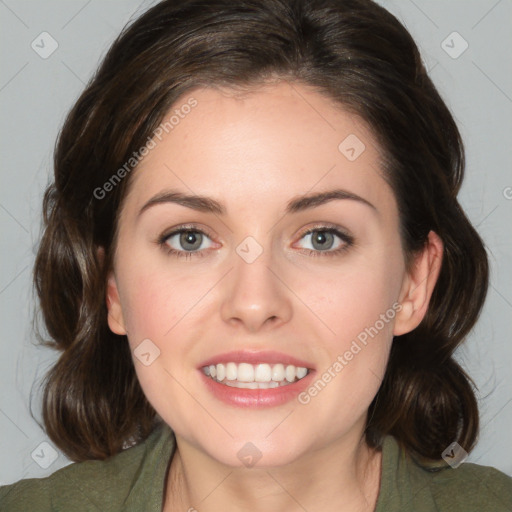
(353, 52)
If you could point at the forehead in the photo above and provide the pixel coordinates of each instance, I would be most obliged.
(266, 145)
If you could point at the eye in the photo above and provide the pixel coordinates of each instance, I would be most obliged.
(323, 241)
(190, 241)
(185, 242)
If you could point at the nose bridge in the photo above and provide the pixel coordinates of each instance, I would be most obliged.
(255, 294)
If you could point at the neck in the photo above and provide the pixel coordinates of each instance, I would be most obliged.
(343, 476)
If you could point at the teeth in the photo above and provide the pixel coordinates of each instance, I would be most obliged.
(263, 373)
(253, 385)
(221, 372)
(258, 376)
(245, 372)
(278, 372)
(231, 371)
(301, 372)
(290, 373)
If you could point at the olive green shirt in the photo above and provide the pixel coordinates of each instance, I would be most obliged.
(135, 480)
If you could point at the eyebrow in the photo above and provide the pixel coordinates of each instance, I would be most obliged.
(209, 205)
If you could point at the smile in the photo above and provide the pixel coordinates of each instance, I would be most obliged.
(255, 376)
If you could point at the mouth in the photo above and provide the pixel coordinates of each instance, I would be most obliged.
(255, 379)
(244, 375)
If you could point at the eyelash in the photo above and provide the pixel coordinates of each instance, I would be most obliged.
(349, 241)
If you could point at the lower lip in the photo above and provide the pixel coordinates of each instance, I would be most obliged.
(256, 398)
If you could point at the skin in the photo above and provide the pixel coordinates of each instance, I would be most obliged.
(254, 153)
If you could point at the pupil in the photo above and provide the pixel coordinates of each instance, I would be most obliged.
(321, 238)
(190, 237)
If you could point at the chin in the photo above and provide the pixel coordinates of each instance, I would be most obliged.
(254, 454)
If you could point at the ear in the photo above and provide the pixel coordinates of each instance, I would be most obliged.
(418, 285)
(115, 312)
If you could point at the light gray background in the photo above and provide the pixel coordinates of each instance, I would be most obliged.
(36, 93)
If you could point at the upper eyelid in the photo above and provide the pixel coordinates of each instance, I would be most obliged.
(179, 229)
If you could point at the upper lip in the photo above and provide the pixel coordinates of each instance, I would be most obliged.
(255, 357)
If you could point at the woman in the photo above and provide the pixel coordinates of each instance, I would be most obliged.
(257, 271)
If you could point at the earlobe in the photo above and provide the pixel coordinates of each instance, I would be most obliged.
(115, 312)
(418, 286)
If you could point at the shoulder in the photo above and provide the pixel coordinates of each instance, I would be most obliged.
(410, 485)
(97, 485)
(19, 496)
(472, 487)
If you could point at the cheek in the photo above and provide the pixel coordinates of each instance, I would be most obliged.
(161, 306)
(353, 299)
(155, 301)
(358, 305)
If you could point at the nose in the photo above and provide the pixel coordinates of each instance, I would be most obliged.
(256, 295)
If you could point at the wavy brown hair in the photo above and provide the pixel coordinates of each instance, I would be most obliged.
(351, 51)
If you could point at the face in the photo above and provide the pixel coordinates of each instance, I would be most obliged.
(259, 281)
